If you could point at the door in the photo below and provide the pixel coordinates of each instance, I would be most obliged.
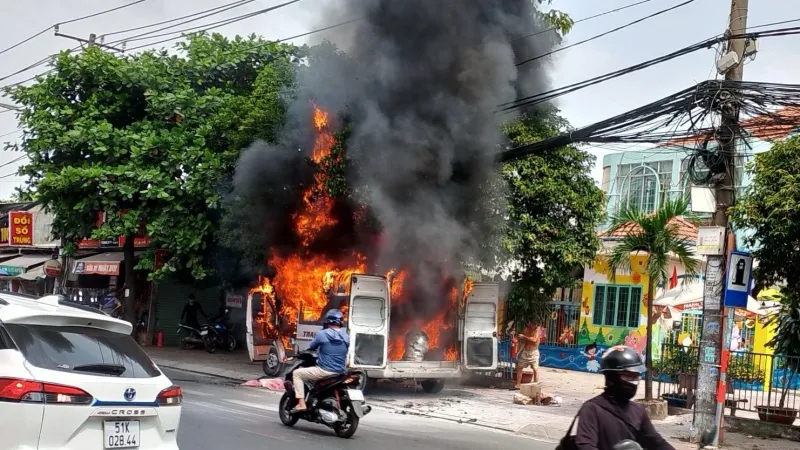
(256, 317)
(368, 321)
(479, 350)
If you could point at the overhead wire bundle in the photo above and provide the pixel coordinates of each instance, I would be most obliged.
(691, 119)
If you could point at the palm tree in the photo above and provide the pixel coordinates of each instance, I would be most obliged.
(658, 235)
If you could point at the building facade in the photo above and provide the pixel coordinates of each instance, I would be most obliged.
(611, 313)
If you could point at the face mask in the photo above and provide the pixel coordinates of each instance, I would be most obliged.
(623, 390)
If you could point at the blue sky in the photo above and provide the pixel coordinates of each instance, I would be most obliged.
(778, 59)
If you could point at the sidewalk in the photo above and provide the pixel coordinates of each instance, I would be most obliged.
(235, 365)
(483, 407)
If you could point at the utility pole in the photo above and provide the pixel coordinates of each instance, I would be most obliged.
(91, 42)
(711, 378)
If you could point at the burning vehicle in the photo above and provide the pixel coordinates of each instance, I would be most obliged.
(385, 342)
(397, 331)
(376, 215)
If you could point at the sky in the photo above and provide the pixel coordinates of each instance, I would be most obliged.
(778, 59)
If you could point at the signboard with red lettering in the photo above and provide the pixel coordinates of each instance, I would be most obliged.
(96, 268)
(20, 228)
(234, 301)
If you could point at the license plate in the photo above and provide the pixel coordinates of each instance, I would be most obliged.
(204, 332)
(121, 434)
(355, 394)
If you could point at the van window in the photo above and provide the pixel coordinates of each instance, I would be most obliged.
(89, 351)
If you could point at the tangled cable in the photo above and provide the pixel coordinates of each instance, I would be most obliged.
(691, 118)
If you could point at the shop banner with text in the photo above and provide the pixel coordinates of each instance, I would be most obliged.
(20, 228)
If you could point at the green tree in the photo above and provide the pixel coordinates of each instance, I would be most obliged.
(151, 134)
(771, 209)
(549, 231)
(658, 236)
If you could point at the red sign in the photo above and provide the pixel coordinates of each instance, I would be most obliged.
(20, 228)
(160, 258)
(142, 240)
(93, 243)
(52, 268)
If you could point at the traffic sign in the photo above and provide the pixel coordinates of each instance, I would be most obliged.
(739, 278)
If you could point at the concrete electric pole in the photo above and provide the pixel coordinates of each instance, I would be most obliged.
(708, 409)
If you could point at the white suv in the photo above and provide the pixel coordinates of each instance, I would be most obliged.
(72, 377)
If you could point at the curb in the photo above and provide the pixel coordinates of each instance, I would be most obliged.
(197, 370)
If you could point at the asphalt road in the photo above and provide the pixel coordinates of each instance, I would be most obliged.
(218, 415)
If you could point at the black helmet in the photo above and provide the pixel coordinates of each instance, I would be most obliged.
(621, 359)
(334, 317)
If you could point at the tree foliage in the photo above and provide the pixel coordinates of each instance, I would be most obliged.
(771, 209)
(658, 236)
(553, 210)
(151, 134)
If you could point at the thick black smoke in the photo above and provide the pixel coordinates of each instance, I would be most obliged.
(419, 85)
(428, 76)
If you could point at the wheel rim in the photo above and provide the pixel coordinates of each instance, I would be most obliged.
(272, 361)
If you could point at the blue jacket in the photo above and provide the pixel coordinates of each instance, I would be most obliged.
(332, 353)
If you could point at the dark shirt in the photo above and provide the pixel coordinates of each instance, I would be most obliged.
(599, 429)
(190, 313)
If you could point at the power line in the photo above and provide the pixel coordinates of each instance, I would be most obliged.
(128, 30)
(202, 15)
(10, 133)
(584, 19)
(708, 43)
(77, 19)
(211, 26)
(598, 36)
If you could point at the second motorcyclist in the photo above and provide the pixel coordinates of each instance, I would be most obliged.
(331, 343)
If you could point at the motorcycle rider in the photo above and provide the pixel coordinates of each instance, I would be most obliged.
(190, 311)
(611, 417)
(332, 342)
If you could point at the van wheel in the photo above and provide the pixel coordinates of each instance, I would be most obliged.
(432, 386)
(272, 365)
(367, 384)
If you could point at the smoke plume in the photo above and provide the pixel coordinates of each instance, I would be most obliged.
(419, 84)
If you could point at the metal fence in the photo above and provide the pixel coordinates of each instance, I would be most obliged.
(562, 324)
(757, 382)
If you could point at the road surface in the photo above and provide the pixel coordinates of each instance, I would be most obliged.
(221, 415)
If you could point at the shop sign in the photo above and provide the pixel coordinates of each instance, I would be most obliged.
(96, 268)
(52, 268)
(4, 233)
(20, 229)
(234, 301)
(141, 240)
(12, 271)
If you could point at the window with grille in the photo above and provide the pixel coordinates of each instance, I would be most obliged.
(645, 188)
(617, 306)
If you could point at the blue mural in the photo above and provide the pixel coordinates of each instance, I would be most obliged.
(582, 359)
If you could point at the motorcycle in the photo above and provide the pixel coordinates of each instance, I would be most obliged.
(334, 401)
(189, 337)
(217, 334)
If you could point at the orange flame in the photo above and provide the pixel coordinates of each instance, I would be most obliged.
(305, 282)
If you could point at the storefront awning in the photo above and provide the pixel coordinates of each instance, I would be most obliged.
(15, 267)
(102, 264)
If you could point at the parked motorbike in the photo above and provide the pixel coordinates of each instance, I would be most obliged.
(189, 337)
(333, 401)
(217, 334)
